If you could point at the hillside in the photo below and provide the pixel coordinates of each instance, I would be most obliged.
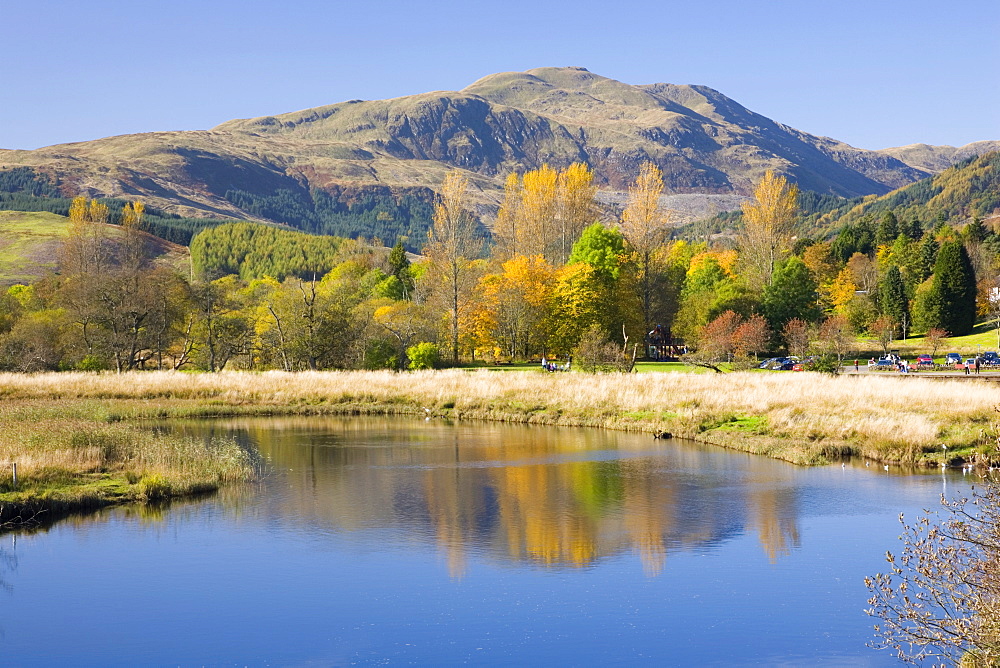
(344, 168)
(969, 189)
(30, 245)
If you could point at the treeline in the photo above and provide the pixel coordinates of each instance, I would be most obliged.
(557, 281)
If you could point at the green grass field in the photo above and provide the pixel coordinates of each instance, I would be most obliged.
(29, 244)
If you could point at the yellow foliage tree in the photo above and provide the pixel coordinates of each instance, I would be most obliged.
(512, 309)
(767, 227)
(840, 291)
(452, 247)
(644, 226)
(544, 212)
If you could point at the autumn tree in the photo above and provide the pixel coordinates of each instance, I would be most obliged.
(538, 208)
(453, 244)
(544, 211)
(796, 335)
(404, 321)
(717, 341)
(576, 208)
(643, 225)
(836, 336)
(884, 331)
(753, 336)
(767, 227)
(511, 313)
(576, 304)
(935, 337)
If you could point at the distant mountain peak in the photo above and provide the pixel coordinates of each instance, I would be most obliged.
(505, 122)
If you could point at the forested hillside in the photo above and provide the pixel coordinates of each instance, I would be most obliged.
(23, 189)
(253, 250)
(967, 190)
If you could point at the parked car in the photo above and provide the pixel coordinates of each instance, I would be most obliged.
(883, 364)
(990, 358)
(952, 358)
(971, 361)
(779, 363)
(925, 360)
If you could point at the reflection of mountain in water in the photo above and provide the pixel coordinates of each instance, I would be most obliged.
(542, 495)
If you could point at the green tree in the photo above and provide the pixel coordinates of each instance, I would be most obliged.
(928, 256)
(887, 230)
(791, 294)
(892, 299)
(401, 269)
(952, 300)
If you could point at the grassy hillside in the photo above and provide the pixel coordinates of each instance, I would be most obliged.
(30, 244)
(939, 158)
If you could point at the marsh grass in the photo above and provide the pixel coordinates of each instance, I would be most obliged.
(804, 418)
(74, 455)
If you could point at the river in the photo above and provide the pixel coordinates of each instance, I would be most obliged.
(396, 542)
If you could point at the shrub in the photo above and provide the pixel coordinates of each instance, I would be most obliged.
(423, 356)
(380, 354)
(91, 363)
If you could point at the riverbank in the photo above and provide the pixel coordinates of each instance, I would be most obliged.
(73, 454)
(802, 418)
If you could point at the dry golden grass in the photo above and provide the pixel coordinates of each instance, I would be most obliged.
(802, 416)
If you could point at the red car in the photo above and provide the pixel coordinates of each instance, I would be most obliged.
(925, 360)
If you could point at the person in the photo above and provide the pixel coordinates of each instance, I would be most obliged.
(977, 365)
(966, 367)
(855, 365)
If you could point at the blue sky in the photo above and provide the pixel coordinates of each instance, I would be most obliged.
(874, 74)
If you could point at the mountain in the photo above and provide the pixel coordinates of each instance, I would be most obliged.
(344, 168)
(938, 158)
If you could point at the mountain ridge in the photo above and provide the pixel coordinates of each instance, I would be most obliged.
(704, 142)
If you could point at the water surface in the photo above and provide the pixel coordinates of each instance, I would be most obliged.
(388, 542)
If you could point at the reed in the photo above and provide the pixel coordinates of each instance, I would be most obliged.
(69, 457)
(806, 418)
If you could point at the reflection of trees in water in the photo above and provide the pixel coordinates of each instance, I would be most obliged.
(8, 563)
(547, 496)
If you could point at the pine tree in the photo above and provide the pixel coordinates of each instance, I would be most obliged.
(952, 302)
(928, 256)
(401, 268)
(892, 297)
(888, 229)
